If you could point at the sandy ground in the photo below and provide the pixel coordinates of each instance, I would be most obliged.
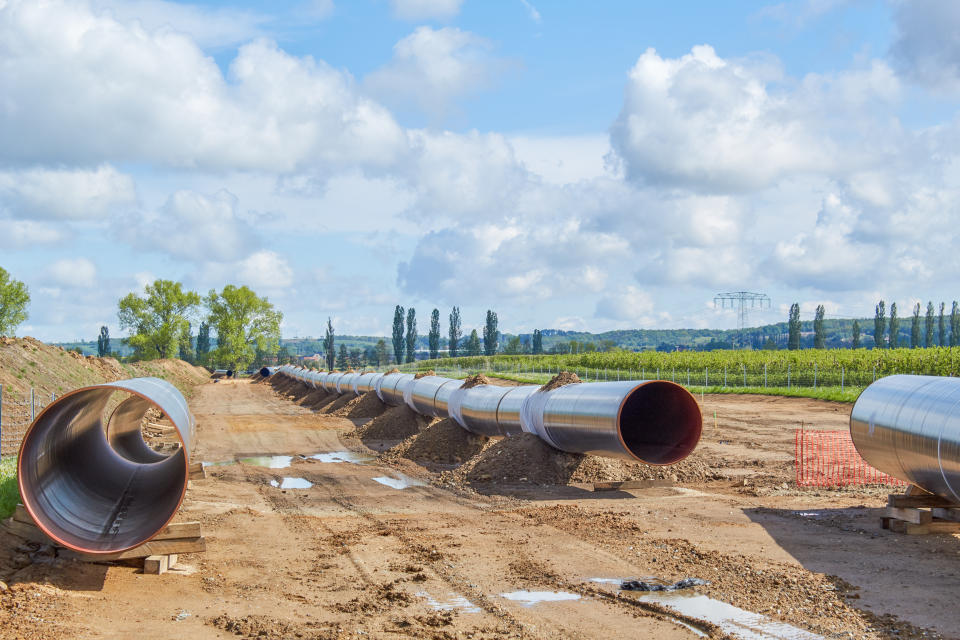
(351, 557)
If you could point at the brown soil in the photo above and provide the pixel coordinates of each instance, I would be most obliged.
(475, 381)
(396, 423)
(562, 379)
(366, 406)
(445, 442)
(424, 374)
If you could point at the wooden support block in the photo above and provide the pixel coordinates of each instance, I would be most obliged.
(155, 565)
(196, 471)
(915, 516)
(172, 530)
(630, 484)
(926, 500)
(154, 547)
(172, 560)
(951, 515)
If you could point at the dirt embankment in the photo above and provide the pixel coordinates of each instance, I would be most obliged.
(27, 362)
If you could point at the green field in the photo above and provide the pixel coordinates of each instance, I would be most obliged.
(9, 492)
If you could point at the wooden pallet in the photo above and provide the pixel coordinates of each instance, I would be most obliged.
(159, 553)
(917, 512)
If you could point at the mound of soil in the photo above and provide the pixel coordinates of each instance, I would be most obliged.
(366, 406)
(527, 458)
(396, 423)
(562, 379)
(443, 441)
(394, 370)
(475, 381)
(424, 374)
(341, 402)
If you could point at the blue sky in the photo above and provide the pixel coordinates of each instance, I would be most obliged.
(570, 165)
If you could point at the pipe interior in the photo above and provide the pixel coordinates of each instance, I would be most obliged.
(82, 491)
(660, 422)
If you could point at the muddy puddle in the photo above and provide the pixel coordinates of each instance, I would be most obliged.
(531, 598)
(402, 481)
(455, 603)
(282, 462)
(291, 483)
(343, 456)
(737, 622)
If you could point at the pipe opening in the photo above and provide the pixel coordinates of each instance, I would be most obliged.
(660, 422)
(92, 483)
(265, 372)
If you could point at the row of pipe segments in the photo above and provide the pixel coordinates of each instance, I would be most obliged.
(656, 422)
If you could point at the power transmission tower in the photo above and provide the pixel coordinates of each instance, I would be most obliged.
(743, 300)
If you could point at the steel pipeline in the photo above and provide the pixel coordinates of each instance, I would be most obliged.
(656, 422)
(98, 490)
(909, 428)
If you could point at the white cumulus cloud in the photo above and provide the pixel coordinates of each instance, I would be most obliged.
(66, 193)
(71, 273)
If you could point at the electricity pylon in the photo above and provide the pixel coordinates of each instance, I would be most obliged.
(741, 299)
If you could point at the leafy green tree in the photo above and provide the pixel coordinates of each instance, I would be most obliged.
(955, 324)
(914, 328)
(473, 344)
(856, 334)
(454, 332)
(928, 326)
(398, 334)
(158, 320)
(329, 348)
(411, 334)
(942, 326)
(355, 354)
(382, 356)
(819, 336)
(203, 343)
(370, 356)
(537, 342)
(343, 358)
(103, 342)
(514, 346)
(879, 325)
(186, 345)
(434, 336)
(283, 355)
(894, 326)
(793, 327)
(491, 337)
(14, 298)
(244, 322)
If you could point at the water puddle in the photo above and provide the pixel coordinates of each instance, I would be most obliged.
(292, 483)
(530, 598)
(270, 462)
(221, 463)
(615, 581)
(455, 602)
(402, 482)
(732, 620)
(342, 456)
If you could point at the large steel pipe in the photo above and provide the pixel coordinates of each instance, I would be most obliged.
(909, 428)
(98, 493)
(421, 394)
(390, 388)
(656, 422)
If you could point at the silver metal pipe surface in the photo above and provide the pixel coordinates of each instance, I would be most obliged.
(442, 400)
(364, 382)
(420, 395)
(330, 382)
(510, 407)
(477, 408)
(89, 496)
(392, 387)
(345, 383)
(909, 427)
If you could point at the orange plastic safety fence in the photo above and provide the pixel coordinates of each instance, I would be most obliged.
(829, 459)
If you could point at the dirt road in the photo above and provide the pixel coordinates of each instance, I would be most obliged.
(370, 549)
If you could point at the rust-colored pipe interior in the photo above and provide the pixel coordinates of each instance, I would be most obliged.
(660, 422)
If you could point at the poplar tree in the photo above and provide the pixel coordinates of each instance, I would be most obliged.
(793, 327)
(398, 334)
(381, 353)
(928, 326)
(103, 342)
(942, 327)
(856, 334)
(342, 358)
(915, 328)
(454, 332)
(473, 344)
(203, 343)
(411, 334)
(537, 341)
(328, 346)
(434, 337)
(894, 326)
(819, 337)
(954, 324)
(491, 337)
(879, 325)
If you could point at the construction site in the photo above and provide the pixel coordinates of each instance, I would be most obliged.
(320, 505)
